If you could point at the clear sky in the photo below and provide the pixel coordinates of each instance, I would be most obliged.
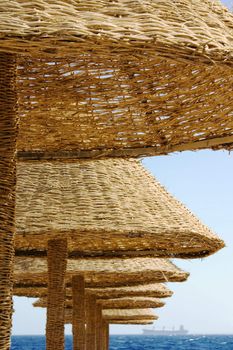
(203, 181)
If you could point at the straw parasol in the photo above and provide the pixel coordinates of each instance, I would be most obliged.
(116, 316)
(132, 322)
(130, 316)
(111, 316)
(99, 272)
(156, 290)
(124, 315)
(119, 303)
(91, 272)
(129, 78)
(87, 201)
(79, 204)
(60, 28)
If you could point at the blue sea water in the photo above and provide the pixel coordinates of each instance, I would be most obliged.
(139, 342)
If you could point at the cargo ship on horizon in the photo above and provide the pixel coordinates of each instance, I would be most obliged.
(166, 332)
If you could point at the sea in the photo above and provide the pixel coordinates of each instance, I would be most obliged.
(139, 342)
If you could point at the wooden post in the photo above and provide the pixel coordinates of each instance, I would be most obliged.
(105, 333)
(57, 260)
(99, 327)
(107, 336)
(90, 322)
(78, 292)
(8, 135)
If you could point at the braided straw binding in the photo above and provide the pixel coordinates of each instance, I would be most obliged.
(156, 290)
(57, 257)
(119, 303)
(78, 303)
(91, 106)
(104, 207)
(188, 29)
(101, 272)
(8, 134)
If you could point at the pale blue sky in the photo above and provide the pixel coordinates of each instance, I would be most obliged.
(204, 304)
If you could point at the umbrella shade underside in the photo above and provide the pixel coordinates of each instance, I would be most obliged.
(90, 107)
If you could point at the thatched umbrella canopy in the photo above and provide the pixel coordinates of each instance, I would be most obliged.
(111, 79)
(118, 315)
(131, 322)
(130, 316)
(79, 204)
(197, 30)
(134, 302)
(93, 272)
(156, 290)
(118, 303)
(91, 334)
(100, 272)
(104, 207)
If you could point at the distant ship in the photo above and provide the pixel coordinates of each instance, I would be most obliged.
(180, 331)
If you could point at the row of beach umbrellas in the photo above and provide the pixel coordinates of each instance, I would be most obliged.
(86, 88)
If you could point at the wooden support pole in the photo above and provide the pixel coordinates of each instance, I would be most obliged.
(90, 322)
(105, 334)
(78, 292)
(99, 327)
(57, 260)
(8, 135)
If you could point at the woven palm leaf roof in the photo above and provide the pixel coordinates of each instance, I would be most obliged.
(157, 290)
(100, 272)
(117, 199)
(118, 303)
